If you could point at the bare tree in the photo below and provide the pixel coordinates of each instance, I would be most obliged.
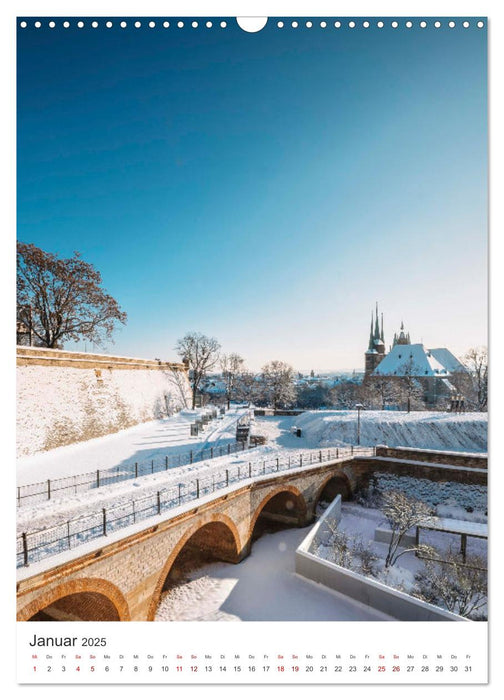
(403, 513)
(62, 299)
(379, 391)
(476, 360)
(459, 587)
(179, 379)
(232, 366)
(346, 394)
(277, 380)
(409, 387)
(247, 387)
(200, 353)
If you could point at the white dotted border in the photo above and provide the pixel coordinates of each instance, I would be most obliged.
(280, 24)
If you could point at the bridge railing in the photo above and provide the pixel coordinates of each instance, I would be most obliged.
(30, 494)
(36, 545)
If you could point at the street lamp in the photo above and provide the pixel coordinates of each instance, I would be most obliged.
(359, 408)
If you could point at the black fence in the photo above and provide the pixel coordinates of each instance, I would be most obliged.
(72, 485)
(37, 545)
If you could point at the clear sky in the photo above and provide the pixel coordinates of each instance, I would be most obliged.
(263, 188)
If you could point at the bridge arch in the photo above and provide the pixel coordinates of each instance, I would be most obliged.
(284, 504)
(216, 535)
(92, 599)
(335, 484)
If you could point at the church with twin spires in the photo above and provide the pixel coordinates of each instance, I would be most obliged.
(432, 367)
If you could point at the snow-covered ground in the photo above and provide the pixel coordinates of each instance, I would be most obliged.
(141, 443)
(425, 429)
(160, 438)
(223, 591)
(131, 500)
(359, 524)
(263, 586)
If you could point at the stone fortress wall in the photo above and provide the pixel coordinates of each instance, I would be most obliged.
(65, 397)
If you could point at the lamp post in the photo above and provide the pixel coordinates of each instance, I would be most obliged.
(359, 408)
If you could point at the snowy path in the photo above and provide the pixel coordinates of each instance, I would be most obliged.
(138, 444)
(263, 586)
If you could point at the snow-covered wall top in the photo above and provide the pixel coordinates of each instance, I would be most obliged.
(65, 397)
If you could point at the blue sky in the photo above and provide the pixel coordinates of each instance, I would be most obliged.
(263, 188)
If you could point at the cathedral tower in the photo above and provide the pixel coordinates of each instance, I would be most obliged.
(376, 348)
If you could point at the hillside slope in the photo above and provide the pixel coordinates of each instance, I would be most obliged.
(425, 429)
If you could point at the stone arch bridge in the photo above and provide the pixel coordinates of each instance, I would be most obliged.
(123, 580)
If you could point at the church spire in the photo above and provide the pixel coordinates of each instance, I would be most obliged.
(371, 334)
(377, 327)
(382, 337)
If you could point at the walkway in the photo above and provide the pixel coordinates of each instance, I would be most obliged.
(261, 587)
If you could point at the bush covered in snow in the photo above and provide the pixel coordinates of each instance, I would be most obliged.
(449, 498)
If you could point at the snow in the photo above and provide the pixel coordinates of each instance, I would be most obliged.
(262, 587)
(413, 360)
(360, 523)
(447, 359)
(156, 438)
(63, 405)
(434, 430)
(141, 443)
(450, 498)
(136, 501)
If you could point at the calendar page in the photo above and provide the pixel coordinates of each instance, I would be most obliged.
(251, 347)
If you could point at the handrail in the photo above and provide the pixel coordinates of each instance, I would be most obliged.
(39, 544)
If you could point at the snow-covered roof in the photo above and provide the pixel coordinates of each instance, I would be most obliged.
(447, 359)
(413, 360)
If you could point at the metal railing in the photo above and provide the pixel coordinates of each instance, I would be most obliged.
(31, 494)
(37, 545)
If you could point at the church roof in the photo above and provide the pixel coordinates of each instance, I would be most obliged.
(411, 360)
(447, 359)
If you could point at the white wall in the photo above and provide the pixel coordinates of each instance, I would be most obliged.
(58, 405)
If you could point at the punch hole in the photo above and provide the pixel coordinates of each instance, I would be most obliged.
(395, 25)
(94, 24)
(38, 25)
(138, 25)
(409, 24)
(380, 25)
(423, 24)
(351, 25)
(52, 25)
(194, 25)
(437, 24)
(252, 24)
(209, 25)
(309, 25)
(466, 25)
(337, 25)
(295, 25)
(280, 25)
(166, 25)
(323, 25)
(66, 24)
(223, 25)
(152, 25)
(124, 25)
(365, 24)
(481, 25)
(80, 25)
